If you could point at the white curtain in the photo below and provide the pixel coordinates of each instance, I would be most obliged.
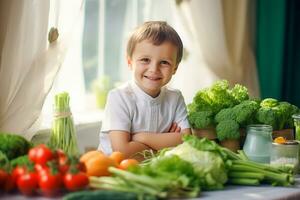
(68, 17)
(28, 64)
(218, 40)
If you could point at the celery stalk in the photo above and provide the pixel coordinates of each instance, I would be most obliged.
(251, 175)
(272, 176)
(244, 181)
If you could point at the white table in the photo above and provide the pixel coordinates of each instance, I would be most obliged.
(265, 192)
(253, 193)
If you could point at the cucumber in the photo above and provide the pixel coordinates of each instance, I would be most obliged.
(105, 195)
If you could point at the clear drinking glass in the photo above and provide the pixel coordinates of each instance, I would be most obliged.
(285, 153)
(258, 143)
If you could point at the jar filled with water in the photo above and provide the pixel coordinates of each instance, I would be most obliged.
(258, 143)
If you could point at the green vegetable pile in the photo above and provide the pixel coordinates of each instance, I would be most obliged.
(13, 145)
(164, 177)
(229, 109)
(242, 171)
(63, 134)
(190, 167)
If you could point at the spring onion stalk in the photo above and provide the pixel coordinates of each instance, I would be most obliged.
(124, 185)
(63, 134)
(141, 184)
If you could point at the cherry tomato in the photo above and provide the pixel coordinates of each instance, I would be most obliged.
(61, 156)
(75, 181)
(50, 183)
(43, 154)
(28, 183)
(32, 154)
(63, 161)
(17, 172)
(38, 168)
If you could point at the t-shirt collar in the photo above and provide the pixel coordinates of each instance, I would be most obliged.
(146, 97)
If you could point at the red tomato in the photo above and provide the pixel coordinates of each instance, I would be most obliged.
(50, 184)
(61, 155)
(43, 154)
(63, 169)
(76, 181)
(38, 168)
(28, 183)
(63, 161)
(17, 172)
(32, 154)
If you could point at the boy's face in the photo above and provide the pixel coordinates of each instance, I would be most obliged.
(153, 65)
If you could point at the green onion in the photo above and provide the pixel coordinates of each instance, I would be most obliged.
(63, 134)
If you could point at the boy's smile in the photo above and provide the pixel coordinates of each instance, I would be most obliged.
(153, 65)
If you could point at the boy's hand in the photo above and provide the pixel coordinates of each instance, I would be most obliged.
(175, 128)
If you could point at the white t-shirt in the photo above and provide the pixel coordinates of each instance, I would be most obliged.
(129, 108)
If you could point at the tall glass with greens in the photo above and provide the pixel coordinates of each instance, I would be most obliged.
(63, 135)
(296, 118)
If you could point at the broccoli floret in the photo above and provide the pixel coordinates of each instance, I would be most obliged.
(269, 103)
(245, 111)
(285, 111)
(13, 145)
(277, 114)
(228, 129)
(268, 116)
(225, 114)
(202, 119)
(240, 93)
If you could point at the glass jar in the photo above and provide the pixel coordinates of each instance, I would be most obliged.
(285, 153)
(258, 143)
(296, 118)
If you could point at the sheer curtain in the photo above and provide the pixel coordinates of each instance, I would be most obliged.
(28, 64)
(68, 17)
(219, 44)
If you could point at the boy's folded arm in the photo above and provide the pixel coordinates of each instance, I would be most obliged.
(159, 141)
(122, 141)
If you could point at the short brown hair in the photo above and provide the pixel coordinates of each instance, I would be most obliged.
(158, 32)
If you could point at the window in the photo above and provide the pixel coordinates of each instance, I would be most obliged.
(96, 58)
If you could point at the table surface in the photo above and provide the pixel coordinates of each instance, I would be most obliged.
(229, 193)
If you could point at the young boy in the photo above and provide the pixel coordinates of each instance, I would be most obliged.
(145, 114)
